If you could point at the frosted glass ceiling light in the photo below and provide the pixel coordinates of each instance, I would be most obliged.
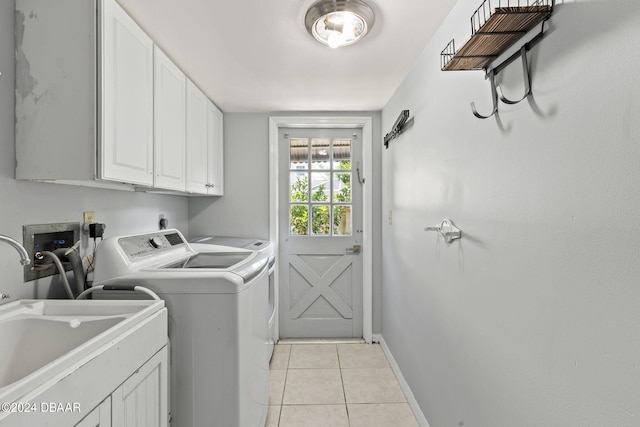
(339, 22)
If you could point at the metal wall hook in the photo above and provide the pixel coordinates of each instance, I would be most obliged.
(398, 127)
(360, 179)
(447, 230)
(526, 76)
(494, 97)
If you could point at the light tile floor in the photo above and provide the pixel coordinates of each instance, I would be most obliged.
(333, 385)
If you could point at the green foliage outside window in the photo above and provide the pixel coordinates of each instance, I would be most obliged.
(300, 213)
(320, 213)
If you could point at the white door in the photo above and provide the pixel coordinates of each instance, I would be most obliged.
(127, 98)
(320, 233)
(169, 124)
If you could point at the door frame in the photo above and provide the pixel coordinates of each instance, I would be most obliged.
(366, 124)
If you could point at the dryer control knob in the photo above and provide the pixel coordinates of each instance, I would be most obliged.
(156, 242)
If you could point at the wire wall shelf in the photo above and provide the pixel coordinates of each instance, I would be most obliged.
(495, 26)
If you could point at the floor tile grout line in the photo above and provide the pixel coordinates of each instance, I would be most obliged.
(344, 392)
(315, 404)
(284, 387)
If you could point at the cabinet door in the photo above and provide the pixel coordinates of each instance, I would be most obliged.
(143, 400)
(197, 140)
(215, 156)
(169, 123)
(99, 417)
(126, 130)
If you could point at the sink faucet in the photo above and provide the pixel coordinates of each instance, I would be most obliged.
(24, 255)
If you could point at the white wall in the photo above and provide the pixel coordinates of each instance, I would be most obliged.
(533, 318)
(36, 203)
(244, 209)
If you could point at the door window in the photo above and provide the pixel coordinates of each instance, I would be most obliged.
(320, 187)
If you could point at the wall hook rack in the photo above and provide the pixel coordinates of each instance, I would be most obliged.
(494, 97)
(398, 127)
(526, 76)
(447, 230)
(493, 31)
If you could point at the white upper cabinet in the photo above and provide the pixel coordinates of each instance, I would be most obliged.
(169, 124)
(204, 144)
(197, 165)
(95, 105)
(84, 94)
(215, 171)
(126, 142)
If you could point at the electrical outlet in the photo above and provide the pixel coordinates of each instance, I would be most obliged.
(89, 217)
(163, 222)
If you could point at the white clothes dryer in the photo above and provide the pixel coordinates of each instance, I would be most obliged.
(217, 299)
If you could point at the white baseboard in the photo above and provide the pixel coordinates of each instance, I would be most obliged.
(411, 400)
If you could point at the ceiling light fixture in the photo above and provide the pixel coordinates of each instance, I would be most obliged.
(339, 22)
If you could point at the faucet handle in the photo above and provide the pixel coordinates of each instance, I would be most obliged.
(4, 296)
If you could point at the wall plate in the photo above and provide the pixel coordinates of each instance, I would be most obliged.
(47, 237)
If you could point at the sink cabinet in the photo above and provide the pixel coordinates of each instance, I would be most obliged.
(99, 416)
(123, 383)
(140, 401)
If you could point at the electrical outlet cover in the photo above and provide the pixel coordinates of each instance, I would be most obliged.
(89, 217)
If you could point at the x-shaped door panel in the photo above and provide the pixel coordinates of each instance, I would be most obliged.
(321, 286)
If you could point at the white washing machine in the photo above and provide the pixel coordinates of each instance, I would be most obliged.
(217, 298)
(263, 246)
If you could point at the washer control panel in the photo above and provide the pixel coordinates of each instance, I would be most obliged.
(152, 243)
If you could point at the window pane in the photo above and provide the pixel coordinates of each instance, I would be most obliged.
(299, 187)
(321, 220)
(299, 220)
(320, 186)
(299, 153)
(320, 153)
(342, 154)
(342, 220)
(342, 187)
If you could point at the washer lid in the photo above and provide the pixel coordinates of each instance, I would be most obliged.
(210, 260)
(235, 242)
(245, 264)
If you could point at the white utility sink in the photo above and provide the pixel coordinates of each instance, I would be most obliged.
(40, 339)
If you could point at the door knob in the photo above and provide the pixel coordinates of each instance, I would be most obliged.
(355, 249)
